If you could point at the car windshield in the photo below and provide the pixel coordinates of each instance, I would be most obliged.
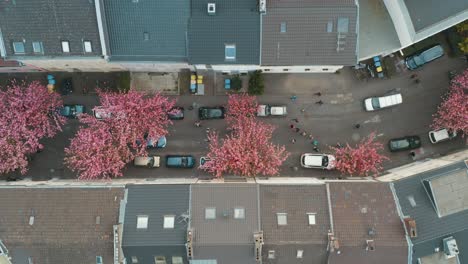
(325, 161)
(184, 161)
(375, 103)
(215, 112)
(418, 60)
(402, 143)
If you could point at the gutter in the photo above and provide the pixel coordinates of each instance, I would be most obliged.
(330, 207)
(2, 46)
(100, 22)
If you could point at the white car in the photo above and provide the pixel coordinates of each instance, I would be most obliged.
(443, 134)
(318, 161)
(150, 162)
(269, 110)
(101, 113)
(376, 103)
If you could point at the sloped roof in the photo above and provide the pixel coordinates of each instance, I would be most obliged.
(156, 201)
(164, 21)
(360, 209)
(431, 229)
(235, 22)
(311, 33)
(50, 22)
(64, 229)
(425, 13)
(296, 201)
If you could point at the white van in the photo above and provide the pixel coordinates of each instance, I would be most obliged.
(376, 103)
(272, 110)
(443, 134)
(150, 162)
(318, 161)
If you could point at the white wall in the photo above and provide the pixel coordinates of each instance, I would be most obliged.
(70, 65)
(272, 69)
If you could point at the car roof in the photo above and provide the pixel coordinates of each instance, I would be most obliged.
(390, 100)
(433, 53)
(440, 134)
(313, 159)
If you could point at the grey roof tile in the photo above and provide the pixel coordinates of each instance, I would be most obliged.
(431, 228)
(306, 40)
(165, 21)
(235, 22)
(64, 228)
(50, 21)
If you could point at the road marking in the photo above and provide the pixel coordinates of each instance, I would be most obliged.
(375, 119)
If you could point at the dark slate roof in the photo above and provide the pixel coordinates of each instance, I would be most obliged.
(296, 201)
(235, 22)
(425, 13)
(306, 40)
(224, 238)
(164, 20)
(50, 21)
(64, 229)
(359, 207)
(155, 201)
(430, 228)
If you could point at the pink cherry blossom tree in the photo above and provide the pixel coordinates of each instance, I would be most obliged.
(29, 114)
(247, 151)
(130, 118)
(240, 105)
(452, 113)
(362, 159)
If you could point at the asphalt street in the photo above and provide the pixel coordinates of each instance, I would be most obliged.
(329, 123)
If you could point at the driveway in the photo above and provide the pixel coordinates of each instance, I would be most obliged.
(329, 123)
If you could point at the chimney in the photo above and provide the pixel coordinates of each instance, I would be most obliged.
(333, 243)
(450, 247)
(258, 238)
(189, 244)
(410, 225)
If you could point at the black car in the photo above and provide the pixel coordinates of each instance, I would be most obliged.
(404, 143)
(215, 112)
(176, 113)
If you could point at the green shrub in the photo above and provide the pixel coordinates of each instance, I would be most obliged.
(256, 83)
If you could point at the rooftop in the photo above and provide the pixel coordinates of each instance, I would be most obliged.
(230, 35)
(166, 210)
(147, 30)
(366, 224)
(57, 225)
(41, 25)
(416, 204)
(309, 32)
(425, 13)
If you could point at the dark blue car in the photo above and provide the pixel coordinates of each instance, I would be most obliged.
(72, 111)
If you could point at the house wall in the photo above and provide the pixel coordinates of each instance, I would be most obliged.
(95, 64)
(146, 254)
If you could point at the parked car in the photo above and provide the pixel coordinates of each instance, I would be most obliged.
(66, 87)
(269, 110)
(215, 112)
(150, 161)
(151, 143)
(180, 161)
(176, 113)
(101, 113)
(417, 60)
(376, 103)
(442, 134)
(404, 143)
(318, 161)
(72, 111)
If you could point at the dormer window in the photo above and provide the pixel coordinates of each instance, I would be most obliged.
(169, 221)
(282, 219)
(142, 222)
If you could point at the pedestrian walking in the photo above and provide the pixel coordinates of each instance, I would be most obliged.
(293, 140)
(417, 81)
(197, 124)
(319, 102)
(412, 154)
(318, 94)
(295, 120)
(293, 98)
(316, 149)
(297, 130)
(357, 126)
(291, 126)
(304, 134)
(302, 110)
(311, 137)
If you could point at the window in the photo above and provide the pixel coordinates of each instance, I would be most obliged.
(330, 26)
(159, 260)
(311, 218)
(18, 47)
(299, 254)
(146, 36)
(282, 218)
(239, 213)
(177, 260)
(230, 52)
(37, 47)
(87, 46)
(142, 222)
(66, 46)
(134, 259)
(283, 27)
(412, 201)
(210, 213)
(99, 260)
(271, 254)
(169, 221)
